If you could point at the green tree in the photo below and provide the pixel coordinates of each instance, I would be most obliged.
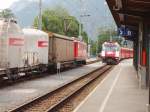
(58, 20)
(93, 47)
(104, 36)
(85, 36)
(101, 39)
(7, 13)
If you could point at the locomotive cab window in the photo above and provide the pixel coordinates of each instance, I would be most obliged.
(110, 48)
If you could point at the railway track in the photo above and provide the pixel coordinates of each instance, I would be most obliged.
(6, 82)
(51, 101)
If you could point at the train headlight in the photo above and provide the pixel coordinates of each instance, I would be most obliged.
(117, 54)
(103, 54)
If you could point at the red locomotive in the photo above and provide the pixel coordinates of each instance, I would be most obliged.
(112, 53)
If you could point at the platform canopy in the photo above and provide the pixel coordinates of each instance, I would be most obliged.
(128, 13)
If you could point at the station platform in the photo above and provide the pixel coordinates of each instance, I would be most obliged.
(118, 92)
(91, 60)
(18, 94)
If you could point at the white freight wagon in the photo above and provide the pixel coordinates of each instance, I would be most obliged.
(11, 44)
(36, 47)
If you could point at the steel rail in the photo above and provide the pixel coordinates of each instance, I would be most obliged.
(33, 102)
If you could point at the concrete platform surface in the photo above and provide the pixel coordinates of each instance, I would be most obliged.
(92, 59)
(118, 92)
(15, 95)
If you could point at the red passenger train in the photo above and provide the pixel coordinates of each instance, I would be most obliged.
(126, 53)
(112, 53)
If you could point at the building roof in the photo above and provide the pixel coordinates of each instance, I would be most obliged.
(130, 12)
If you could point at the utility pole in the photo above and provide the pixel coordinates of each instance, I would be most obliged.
(97, 47)
(67, 24)
(80, 24)
(80, 30)
(110, 34)
(107, 20)
(89, 48)
(82, 14)
(40, 15)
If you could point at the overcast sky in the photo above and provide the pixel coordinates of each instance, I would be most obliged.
(7, 3)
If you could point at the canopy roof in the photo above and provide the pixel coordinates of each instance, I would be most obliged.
(129, 12)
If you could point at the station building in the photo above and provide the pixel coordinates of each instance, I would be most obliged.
(134, 16)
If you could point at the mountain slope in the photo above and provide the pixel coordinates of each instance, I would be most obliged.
(27, 10)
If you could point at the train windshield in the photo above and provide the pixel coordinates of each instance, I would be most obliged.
(110, 48)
